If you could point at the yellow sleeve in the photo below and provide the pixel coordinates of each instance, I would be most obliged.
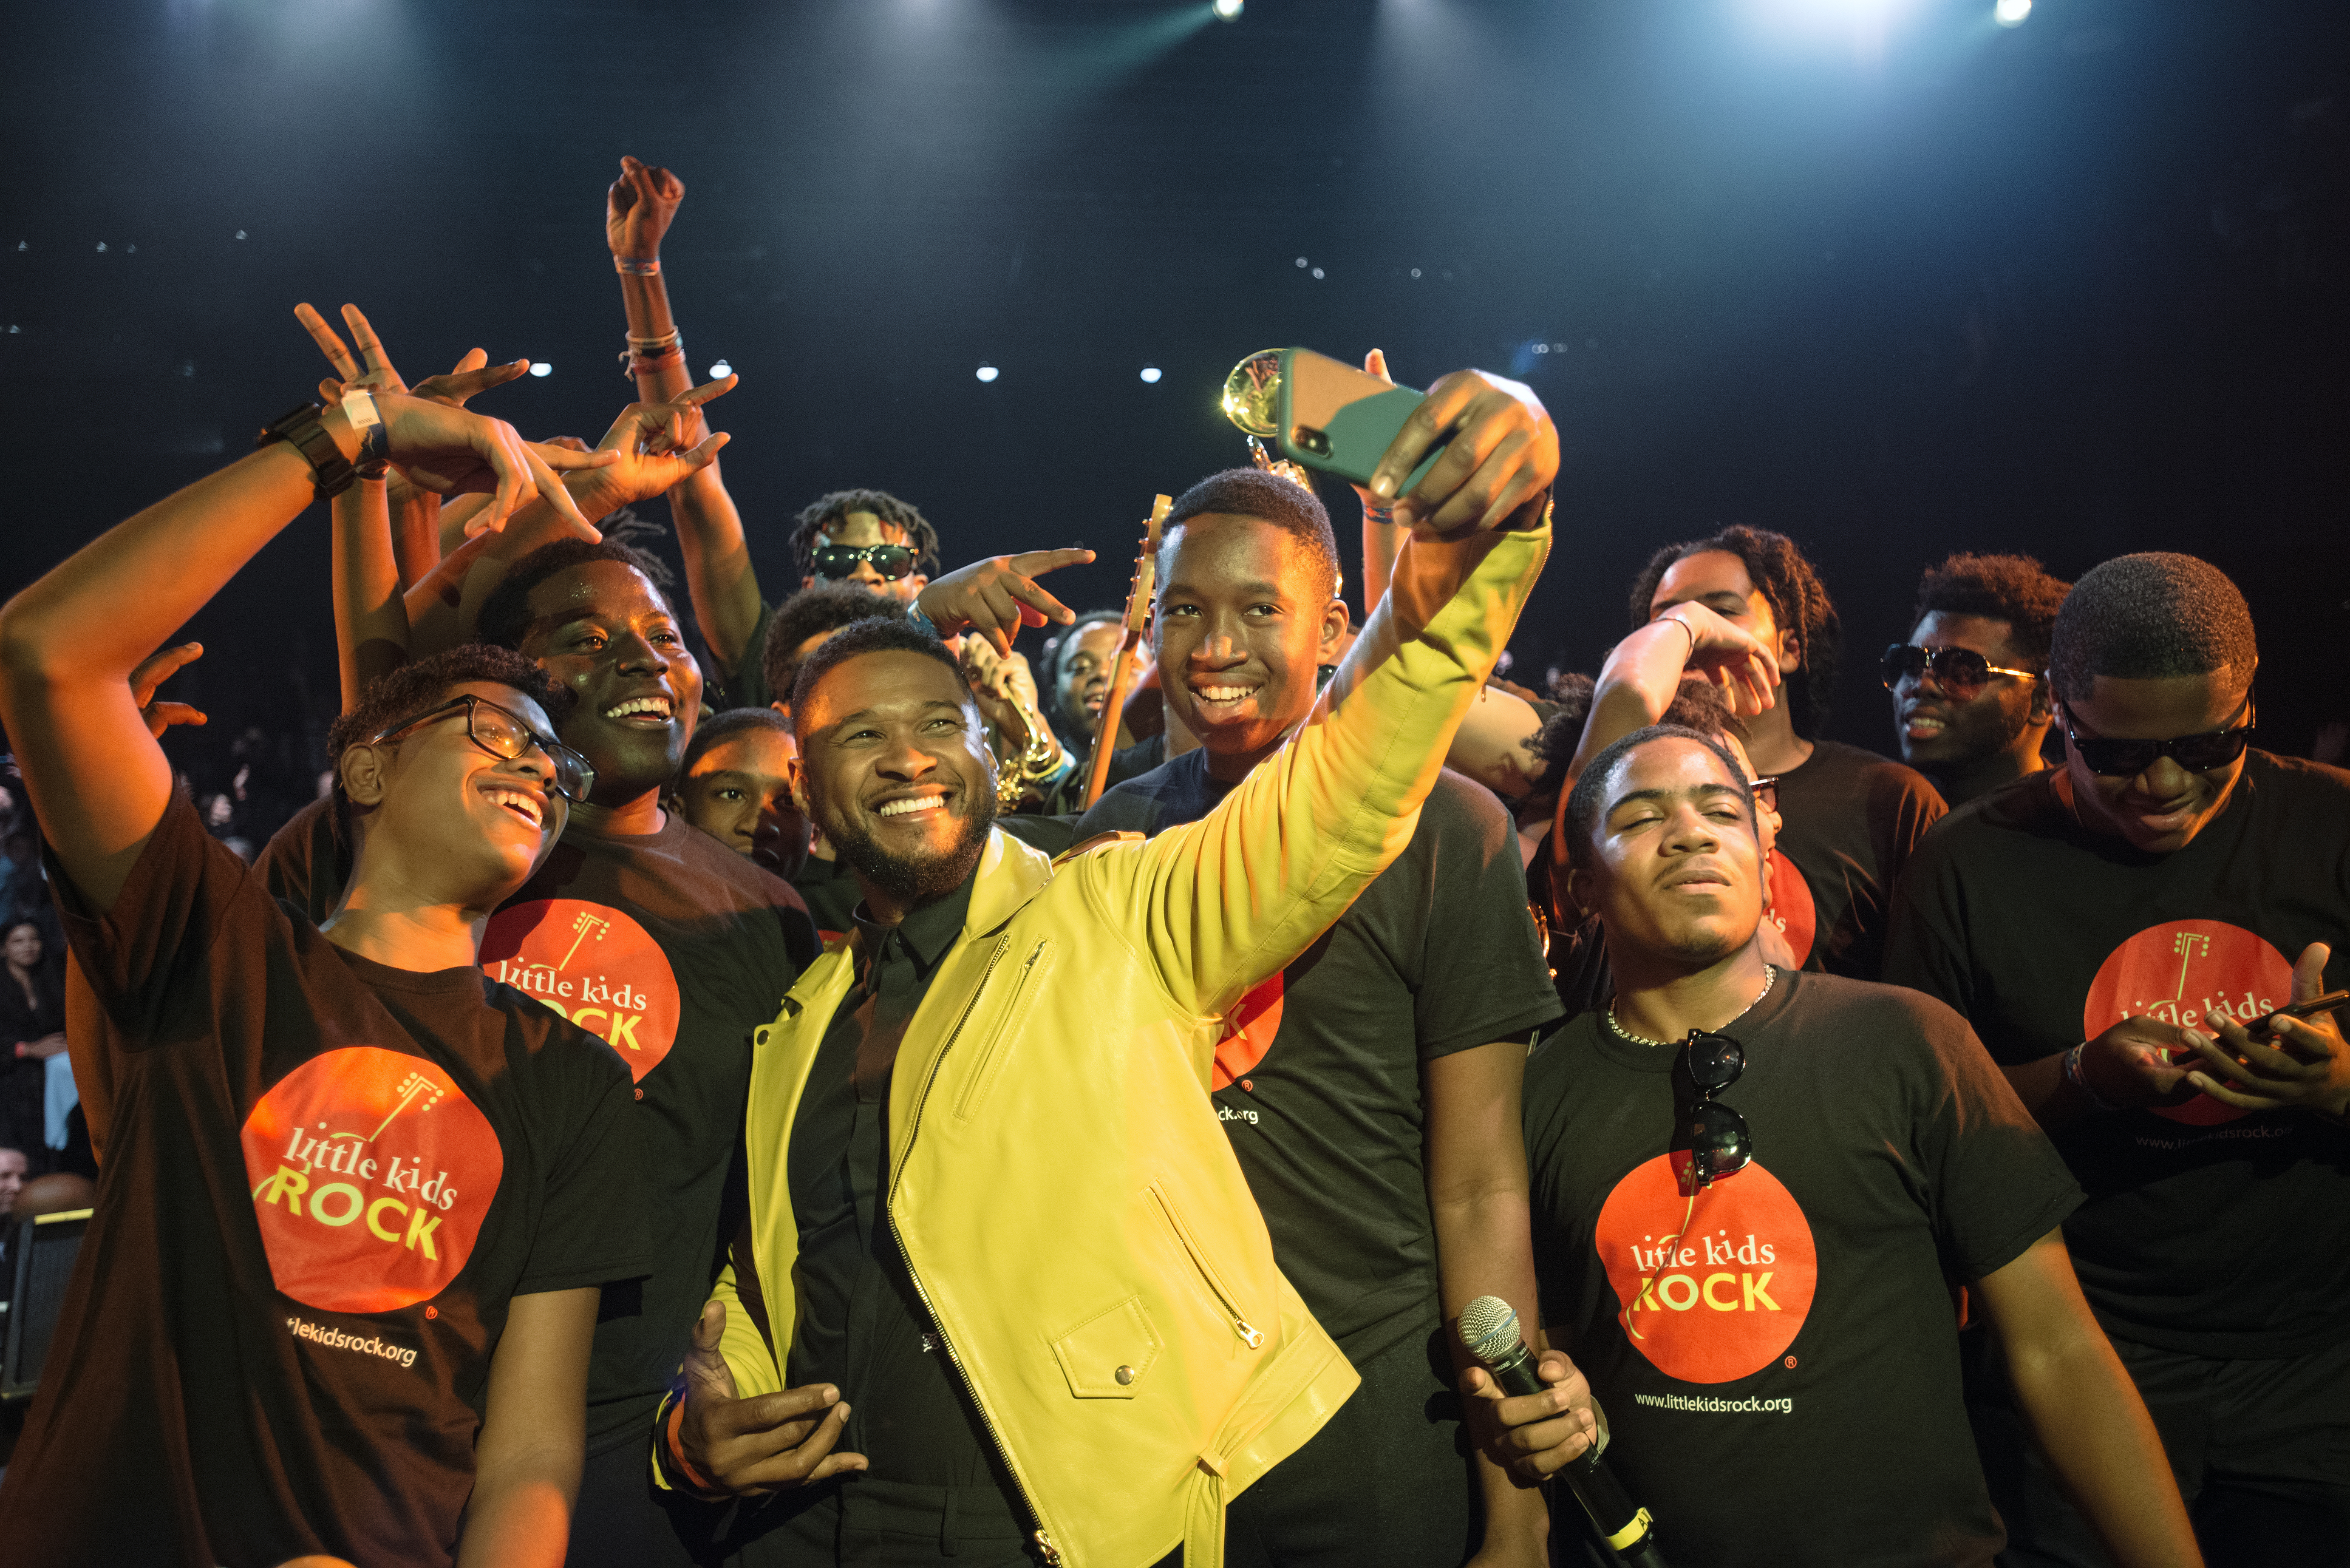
(1220, 904)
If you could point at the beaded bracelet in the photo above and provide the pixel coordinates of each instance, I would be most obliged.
(637, 266)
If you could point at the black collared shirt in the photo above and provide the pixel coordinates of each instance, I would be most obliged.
(862, 1324)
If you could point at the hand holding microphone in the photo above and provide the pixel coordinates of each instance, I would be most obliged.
(1549, 1425)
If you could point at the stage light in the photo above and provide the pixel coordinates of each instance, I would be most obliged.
(1317, 271)
(1150, 374)
(2011, 13)
(1227, 10)
(720, 371)
(541, 367)
(988, 372)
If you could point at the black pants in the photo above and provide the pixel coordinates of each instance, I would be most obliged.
(873, 1523)
(2260, 1451)
(1388, 1480)
(622, 1521)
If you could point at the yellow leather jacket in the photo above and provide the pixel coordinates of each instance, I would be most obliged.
(1068, 1201)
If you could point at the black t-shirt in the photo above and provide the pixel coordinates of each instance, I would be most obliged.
(673, 949)
(1890, 1158)
(325, 1180)
(2207, 1229)
(1318, 1079)
(1849, 820)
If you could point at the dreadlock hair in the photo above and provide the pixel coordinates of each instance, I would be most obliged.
(2013, 589)
(1269, 498)
(418, 688)
(1588, 799)
(826, 607)
(506, 614)
(2147, 617)
(819, 516)
(1799, 603)
(723, 727)
(893, 635)
(1058, 651)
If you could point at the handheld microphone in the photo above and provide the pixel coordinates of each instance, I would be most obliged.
(1489, 1327)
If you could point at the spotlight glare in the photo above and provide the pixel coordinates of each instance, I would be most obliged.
(1150, 374)
(2011, 13)
(1227, 10)
(720, 371)
(541, 367)
(988, 372)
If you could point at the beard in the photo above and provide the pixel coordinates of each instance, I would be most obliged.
(914, 880)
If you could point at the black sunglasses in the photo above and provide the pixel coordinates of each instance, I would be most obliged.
(1960, 671)
(836, 562)
(506, 735)
(1714, 1137)
(2195, 754)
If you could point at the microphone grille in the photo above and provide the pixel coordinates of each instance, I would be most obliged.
(1489, 1327)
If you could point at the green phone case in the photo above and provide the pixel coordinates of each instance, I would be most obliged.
(1358, 435)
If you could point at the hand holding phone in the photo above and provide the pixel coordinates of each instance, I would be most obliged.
(2264, 1027)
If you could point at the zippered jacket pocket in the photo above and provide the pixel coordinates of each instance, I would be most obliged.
(987, 1057)
(1222, 1294)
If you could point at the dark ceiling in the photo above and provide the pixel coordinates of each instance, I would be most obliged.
(2073, 288)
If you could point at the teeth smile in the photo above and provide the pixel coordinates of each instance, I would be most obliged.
(656, 706)
(911, 804)
(1223, 693)
(518, 803)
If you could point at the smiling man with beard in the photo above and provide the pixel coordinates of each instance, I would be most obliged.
(999, 1255)
(1753, 1189)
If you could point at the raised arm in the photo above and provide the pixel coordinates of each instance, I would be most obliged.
(718, 574)
(1644, 672)
(69, 643)
(2083, 1408)
(1220, 904)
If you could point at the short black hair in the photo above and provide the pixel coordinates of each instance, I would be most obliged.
(1698, 705)
(414, 689)
(725, 726)
(825, 511)
(506, 614)
(1269, 498)
(1058, 650)
(2013, 589)
(2150, 616)
(1799, 603)
(1586, 800)
(879, 635)
(827, 607)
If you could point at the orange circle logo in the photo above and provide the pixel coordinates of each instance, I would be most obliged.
(1791, 908)
(2193, 973)
(371, 1176)
(595, 966)
(1249, 1030)
(1718, 1304)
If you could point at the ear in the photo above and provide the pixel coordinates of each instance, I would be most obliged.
(917, 582)
(1579, 889)
(365, 773)
(2043, 703)
(1791, 650)
(1333, 631)
(795, 775)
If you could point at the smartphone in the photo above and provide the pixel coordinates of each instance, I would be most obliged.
(2315, 1007)
(1330, 415)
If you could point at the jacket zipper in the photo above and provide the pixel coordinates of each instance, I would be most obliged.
(1241, 1326)
(1045, 1546)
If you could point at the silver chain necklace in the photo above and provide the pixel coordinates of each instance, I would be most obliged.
(1770, 979)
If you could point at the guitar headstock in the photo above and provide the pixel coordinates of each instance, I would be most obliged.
(1146, 567)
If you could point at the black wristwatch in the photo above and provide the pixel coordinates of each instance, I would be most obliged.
(331, 472)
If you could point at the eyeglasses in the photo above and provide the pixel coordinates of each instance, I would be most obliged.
(1960, 671)
(1715, 1137)
(1765, 791)
(2195, 754)
(506, 735)
(836, 562)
